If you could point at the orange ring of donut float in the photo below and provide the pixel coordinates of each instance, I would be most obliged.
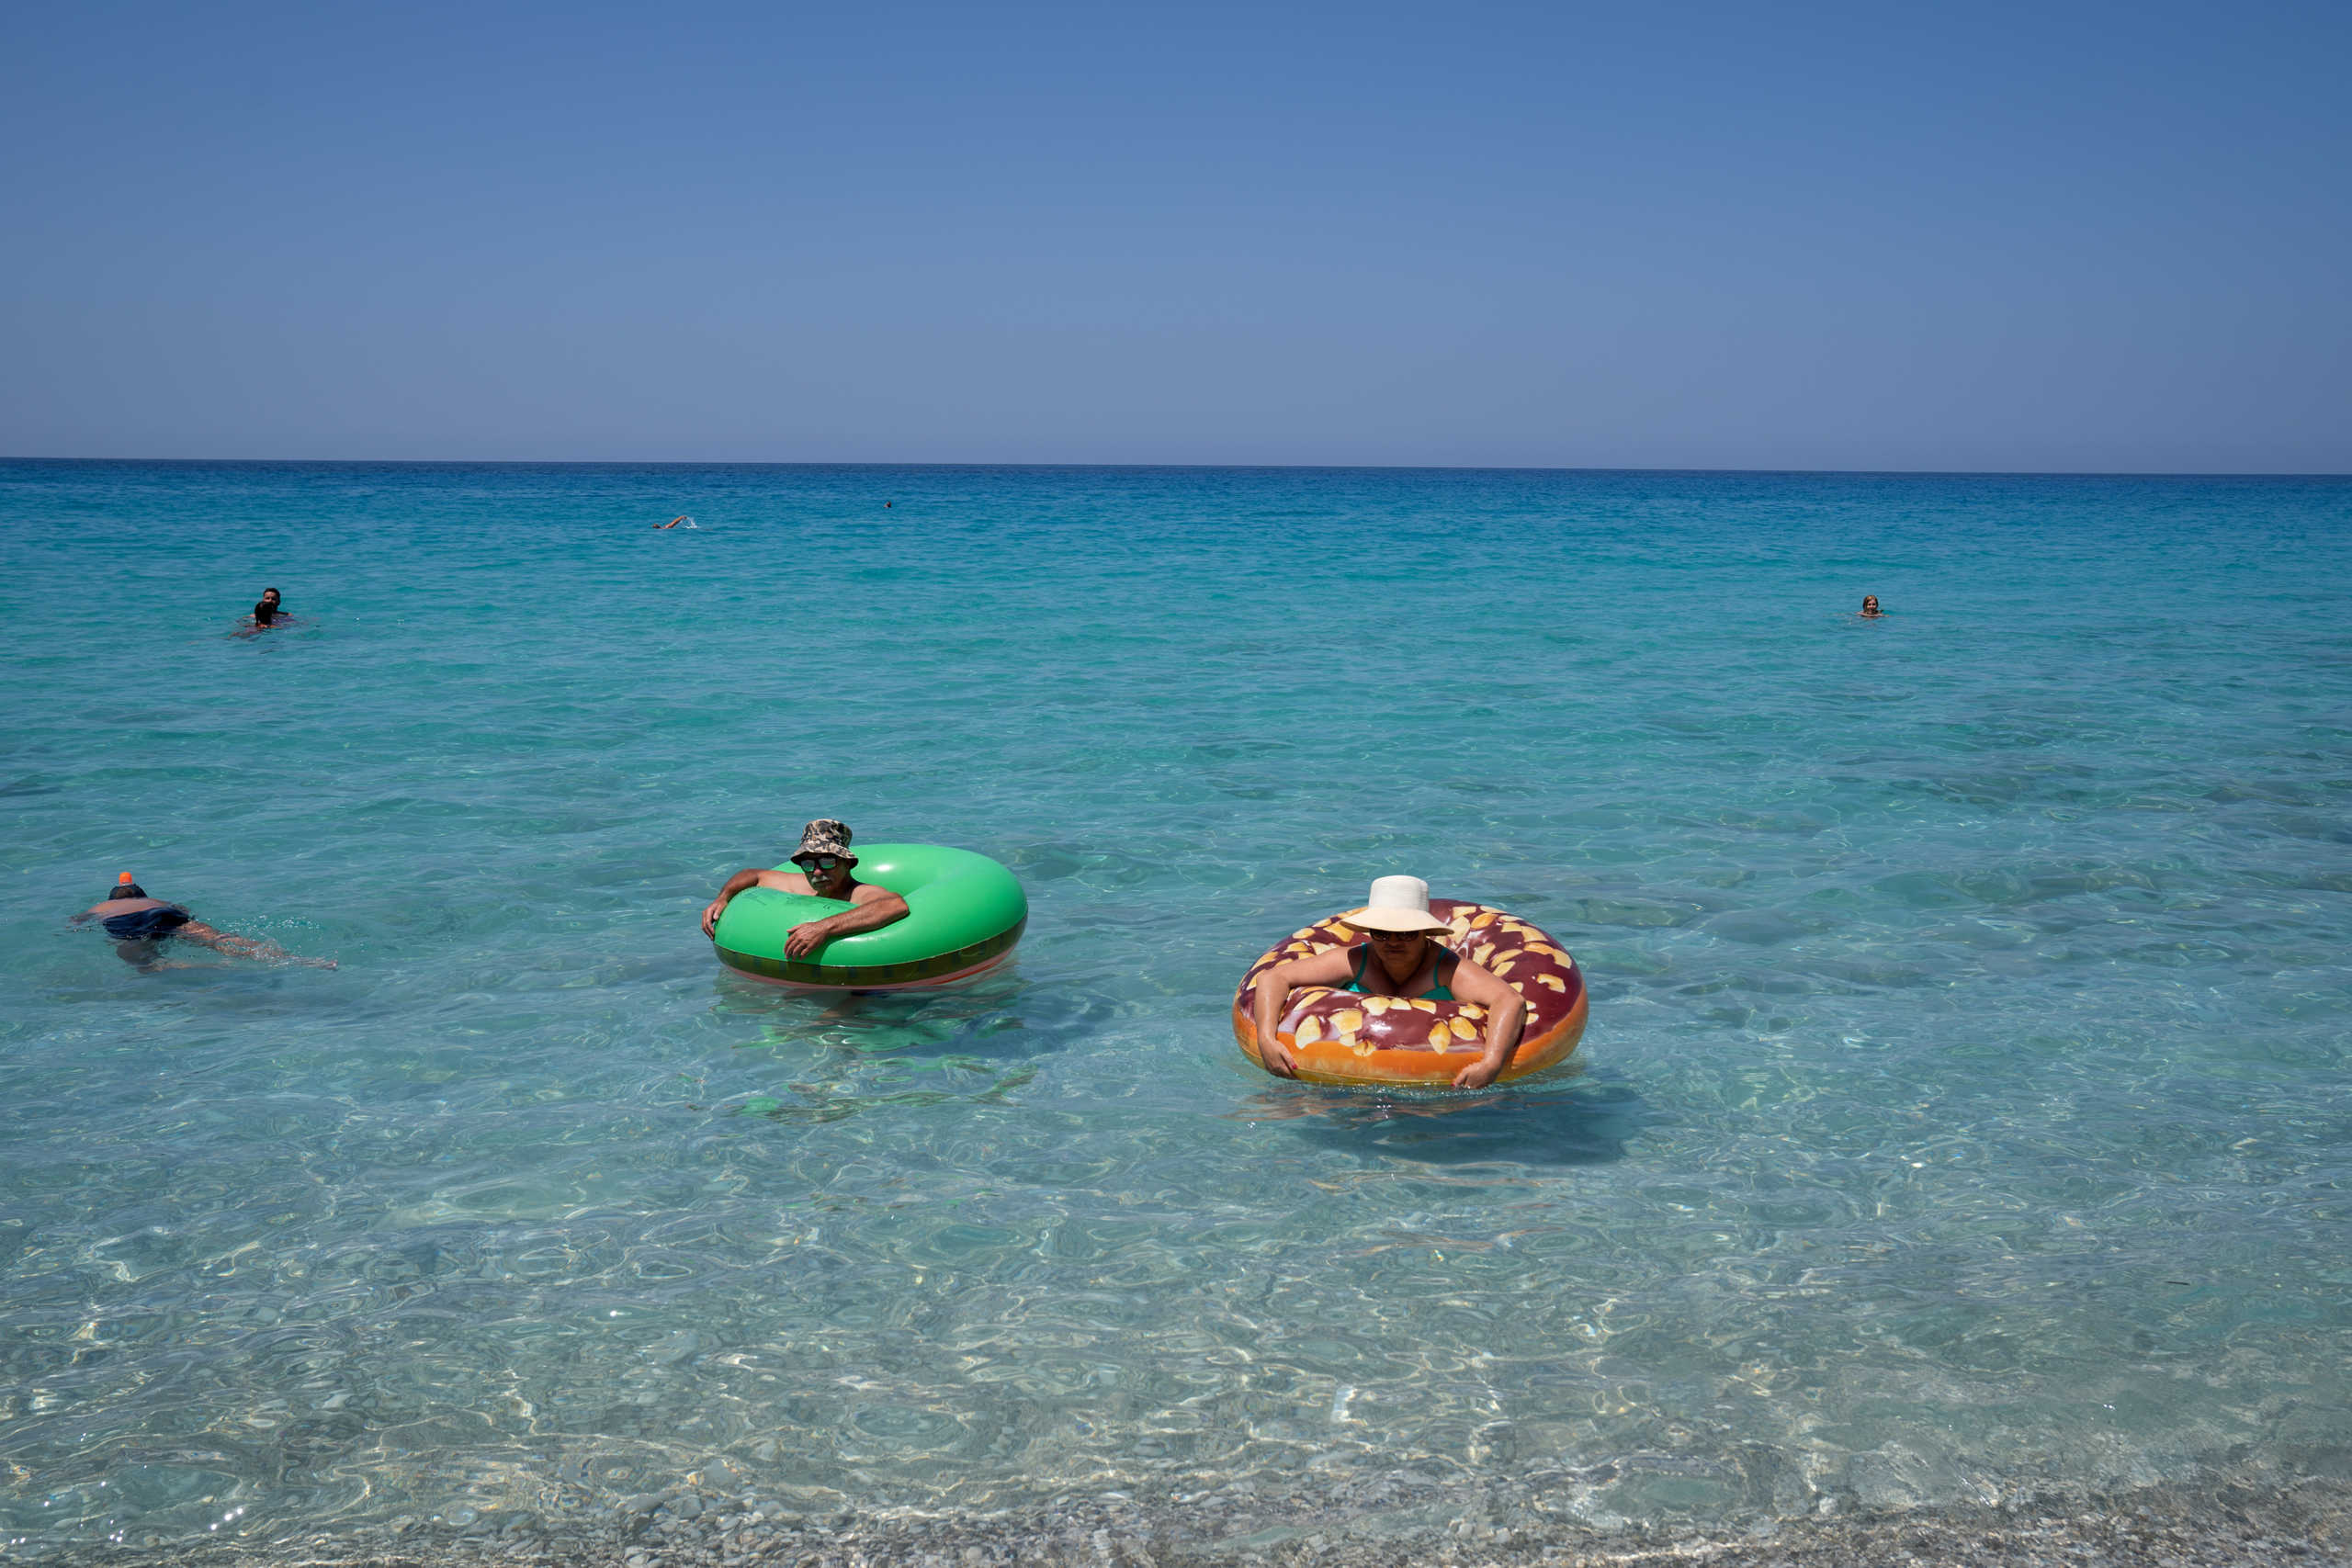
(1357, 1039)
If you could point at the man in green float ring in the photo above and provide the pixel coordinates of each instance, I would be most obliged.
(827, 871)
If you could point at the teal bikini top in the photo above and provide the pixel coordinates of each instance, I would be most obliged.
(1446, 960)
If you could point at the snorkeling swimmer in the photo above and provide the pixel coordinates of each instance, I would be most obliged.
(826, 872)
(1869, 607)
(1399, 959)
(137, 924)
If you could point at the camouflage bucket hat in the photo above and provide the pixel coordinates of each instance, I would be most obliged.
(824, 837)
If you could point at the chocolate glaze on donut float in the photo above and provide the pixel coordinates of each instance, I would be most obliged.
(1341, 1037)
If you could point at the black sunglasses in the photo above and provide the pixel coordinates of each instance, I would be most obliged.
(817, 863)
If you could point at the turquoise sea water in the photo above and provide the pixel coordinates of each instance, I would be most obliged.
(1963, 1112)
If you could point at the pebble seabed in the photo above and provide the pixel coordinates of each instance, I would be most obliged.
(690, 1527)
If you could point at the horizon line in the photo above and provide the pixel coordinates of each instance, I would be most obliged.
(1257, 467)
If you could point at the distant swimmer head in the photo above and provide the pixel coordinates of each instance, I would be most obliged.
(269, 596)
(1869, 604)
(125, 887)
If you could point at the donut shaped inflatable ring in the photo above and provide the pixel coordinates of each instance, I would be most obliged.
(1344, 1037)
(964, 915)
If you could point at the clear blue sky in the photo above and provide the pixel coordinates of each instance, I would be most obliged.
(2042, 236)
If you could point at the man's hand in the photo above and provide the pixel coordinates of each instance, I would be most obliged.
(710, 916)
(1480, 1073)
(805, 939)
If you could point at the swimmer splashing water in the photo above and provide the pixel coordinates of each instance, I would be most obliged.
(675, 522)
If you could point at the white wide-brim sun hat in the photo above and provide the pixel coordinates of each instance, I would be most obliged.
(1397, 904)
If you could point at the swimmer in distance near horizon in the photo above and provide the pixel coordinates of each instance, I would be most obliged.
(268, 615)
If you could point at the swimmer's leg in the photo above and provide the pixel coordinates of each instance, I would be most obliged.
(244, 946)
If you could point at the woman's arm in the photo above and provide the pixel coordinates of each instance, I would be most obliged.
(1506, 1015)
(1274, 987)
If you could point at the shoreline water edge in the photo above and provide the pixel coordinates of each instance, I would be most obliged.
(2219, 1524)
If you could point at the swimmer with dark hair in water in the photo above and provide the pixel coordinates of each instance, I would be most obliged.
(1869, 607)
(674, 522)
(138, 925)
(269, 613)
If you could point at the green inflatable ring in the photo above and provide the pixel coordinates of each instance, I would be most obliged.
(965, 913)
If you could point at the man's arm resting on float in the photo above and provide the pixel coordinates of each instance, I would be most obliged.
(749, 877)
(867, 914)
(863, 914)
(1506, 1015)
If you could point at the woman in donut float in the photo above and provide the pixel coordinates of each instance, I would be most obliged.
(1412, 991)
